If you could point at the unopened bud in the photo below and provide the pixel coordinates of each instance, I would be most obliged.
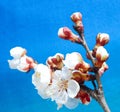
(84, 97)
(83, 67)
(98, 64)
(102, 39)
(101, 54)
(80, 77)
(103, 69)
(77, 16)
(67, 34)
(55, 62)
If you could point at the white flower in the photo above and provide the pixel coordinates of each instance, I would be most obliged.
(63, 87)
(41, 79)
(17, 52)
(20, 64)
(71, 60)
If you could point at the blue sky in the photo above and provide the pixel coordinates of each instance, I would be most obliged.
(33, 24)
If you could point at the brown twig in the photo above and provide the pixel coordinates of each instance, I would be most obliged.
(97, 94)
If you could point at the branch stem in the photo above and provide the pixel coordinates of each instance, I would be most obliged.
(97, 93)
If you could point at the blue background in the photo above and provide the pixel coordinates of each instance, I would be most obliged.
(33, 24)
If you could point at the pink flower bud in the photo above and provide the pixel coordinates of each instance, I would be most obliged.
(103, 69)
(80, 77)
(77, 16)
(79, 26)
(83, 67)
(67, 34)
(101, 54)
(31, 62)
(102, 39)
(55, 62)
(84, 97)
(98, 64)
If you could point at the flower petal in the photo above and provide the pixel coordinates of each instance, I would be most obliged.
(61, 97)
(17, 52)
(66, 73)
(72, 103)
(44, 71)
(73, 88)
(71, 60)
(13, 63)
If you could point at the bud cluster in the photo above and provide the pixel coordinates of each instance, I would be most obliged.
(62, 79)
(99, 52)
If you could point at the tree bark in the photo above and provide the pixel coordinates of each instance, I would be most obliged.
(101, 100)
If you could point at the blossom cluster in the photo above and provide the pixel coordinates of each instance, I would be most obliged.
(99, 53)
(62, 77)
(59, 79)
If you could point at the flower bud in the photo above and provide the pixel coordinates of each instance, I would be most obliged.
(101, 54)
(84, 97)
(80, 77)
(76, 75)
(102, 39)
(98, 64)
(77, 16)
(67, 34)
(103, 69)
(83, 67)
(31, 62)
(71, 60)
(55, 62)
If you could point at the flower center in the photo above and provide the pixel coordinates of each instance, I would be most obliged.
(63, 84)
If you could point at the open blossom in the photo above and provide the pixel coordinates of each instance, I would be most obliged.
(55, 62)
(72, 59)
(20, 60)
(63, 88)
(67, 34)
(41, 79)
(23, 64)
(102, 39)
(101, 54)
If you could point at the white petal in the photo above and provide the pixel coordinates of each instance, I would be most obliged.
(73, 88)
(71, 60)
(72, 103)
(42, 92)
(66, 73)
(44, 72)
(13, 63)
(57, 75)
(17, 52)
(61, 97)
(36, 80)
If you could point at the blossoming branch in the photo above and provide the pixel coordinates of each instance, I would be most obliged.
(63, 78)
